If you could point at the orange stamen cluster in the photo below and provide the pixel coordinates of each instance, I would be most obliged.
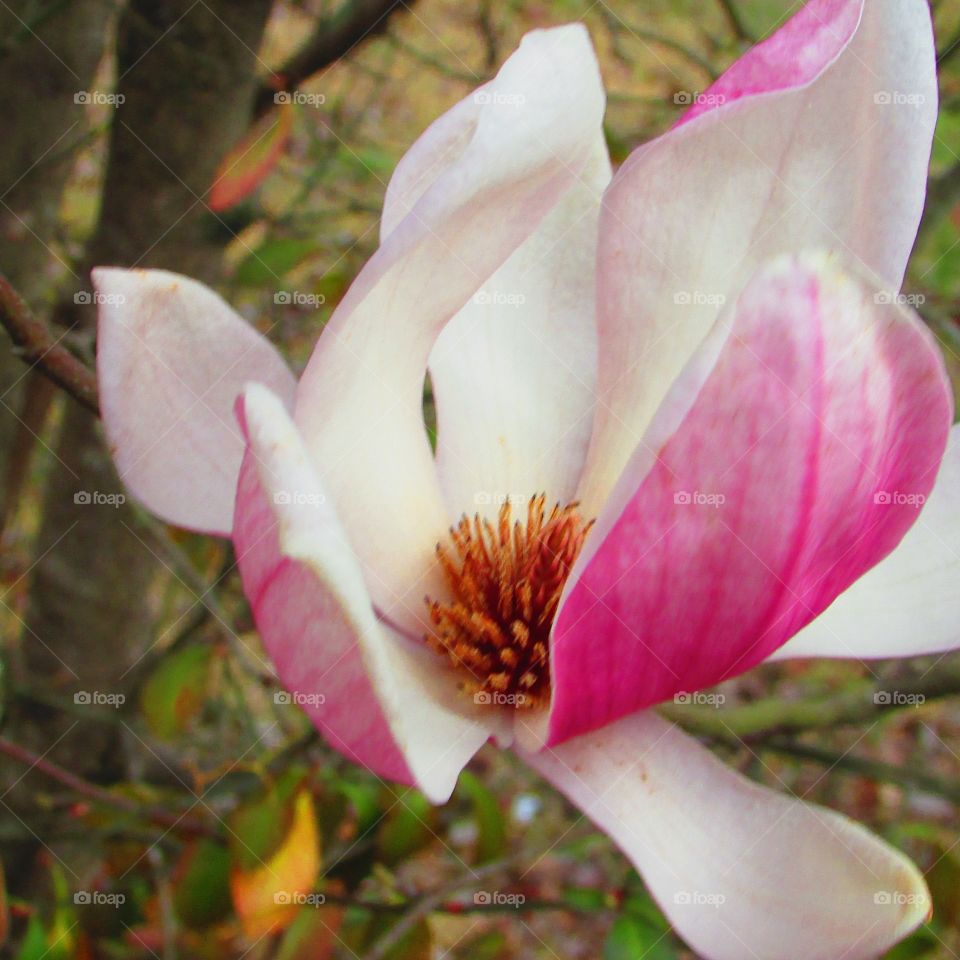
(505, 581)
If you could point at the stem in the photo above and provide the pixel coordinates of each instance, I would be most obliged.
(182, 824)
(735, 21)
(38, 348)
(864, 766)
(868, 700)
(430, 903)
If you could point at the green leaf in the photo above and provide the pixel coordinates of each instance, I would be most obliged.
(491, 826)
(201, 894)
(267, 876)
(922, 944)
(585, 898)
(259, 825)
(34, 943)
(174, 694)
(406, 829)
(364, 797)
(364, 929)
(312, 935)
(631, 937)
(488, 946)
(272, 260)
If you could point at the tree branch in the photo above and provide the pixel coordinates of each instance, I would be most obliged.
(866, 767)
(334, 37)
(183, 823)
(38, 348)
(867, 700)
(735, 21)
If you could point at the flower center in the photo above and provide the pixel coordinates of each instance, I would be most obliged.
(505, 581)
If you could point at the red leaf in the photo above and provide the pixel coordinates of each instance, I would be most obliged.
(248, 163)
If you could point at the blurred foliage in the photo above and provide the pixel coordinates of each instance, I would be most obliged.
(271, 845)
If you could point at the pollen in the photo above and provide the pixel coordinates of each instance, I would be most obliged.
(505, 581)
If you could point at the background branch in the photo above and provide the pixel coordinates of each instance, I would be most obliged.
(334, 37)
(862, 702)
(38, 348)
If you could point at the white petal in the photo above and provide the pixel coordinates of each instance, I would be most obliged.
(171, 358)
(390, 708)
(514, 373)
(523, 142)
(741, 871)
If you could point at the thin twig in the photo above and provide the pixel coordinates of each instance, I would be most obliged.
(866, 767)
(424, 906)
(334, 37)
(865, 701)
(38, 348)
(183, 823)
(735, 21)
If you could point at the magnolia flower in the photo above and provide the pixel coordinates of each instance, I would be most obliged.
(685, 423)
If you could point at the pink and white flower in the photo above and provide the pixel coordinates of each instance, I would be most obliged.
(706, 354)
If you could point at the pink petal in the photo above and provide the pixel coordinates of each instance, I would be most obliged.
(171, 359)
(727, 535)
(520, 144)
(786, 167)
(793, 56)
(740, 871)
(909, 604)
(387, 707)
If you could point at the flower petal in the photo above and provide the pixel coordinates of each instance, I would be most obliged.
(171, 359)
(375, 701)
(838, 161)
(793, 56)
(514, 373)
(727, 535)
(909, 604)
(526, 138)
(739, 870)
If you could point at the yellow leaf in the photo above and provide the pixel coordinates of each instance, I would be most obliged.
(268, 897)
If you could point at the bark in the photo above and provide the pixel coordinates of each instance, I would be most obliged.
(48, 55)
(186, 73)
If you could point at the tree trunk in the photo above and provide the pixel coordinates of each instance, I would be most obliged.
(186, 72)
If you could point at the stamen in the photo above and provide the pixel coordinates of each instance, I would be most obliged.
(505, 583)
